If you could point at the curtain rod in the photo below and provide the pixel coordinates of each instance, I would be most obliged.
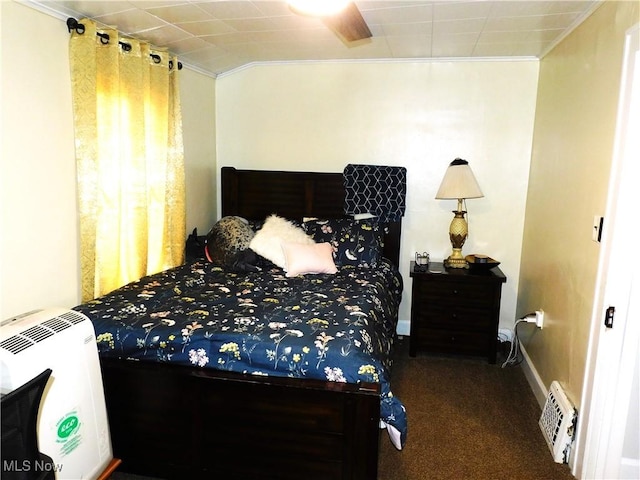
(73, 24)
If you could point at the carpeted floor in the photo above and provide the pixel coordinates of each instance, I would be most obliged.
(468, 420)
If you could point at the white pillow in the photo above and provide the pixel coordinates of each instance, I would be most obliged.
(269, 239)
(301, 259)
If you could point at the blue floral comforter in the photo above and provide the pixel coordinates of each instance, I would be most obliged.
(337, 327)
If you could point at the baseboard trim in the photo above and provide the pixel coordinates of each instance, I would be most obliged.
(505, 334)
(403, 327)
(532, 376)
(629, 468)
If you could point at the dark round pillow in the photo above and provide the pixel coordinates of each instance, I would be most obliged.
(227, 237)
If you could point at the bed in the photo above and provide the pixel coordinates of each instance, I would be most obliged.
(214, 372)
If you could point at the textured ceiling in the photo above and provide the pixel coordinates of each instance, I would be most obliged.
(217, 36)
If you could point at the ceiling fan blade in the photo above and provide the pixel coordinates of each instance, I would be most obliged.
(348, 24)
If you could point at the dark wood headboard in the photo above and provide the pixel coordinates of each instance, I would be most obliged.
(255, 194)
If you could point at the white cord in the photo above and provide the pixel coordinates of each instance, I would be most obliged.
(514, 351)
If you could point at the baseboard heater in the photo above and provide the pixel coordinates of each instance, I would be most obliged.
(558, 423)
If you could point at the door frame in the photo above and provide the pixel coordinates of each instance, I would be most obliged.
(613, 352)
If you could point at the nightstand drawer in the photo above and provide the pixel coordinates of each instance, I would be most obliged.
(454, 293)
(454, 341)
(441, 315)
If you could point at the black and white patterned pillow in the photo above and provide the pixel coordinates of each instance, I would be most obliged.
(355, 242)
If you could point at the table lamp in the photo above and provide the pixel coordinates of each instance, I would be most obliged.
(458, 184)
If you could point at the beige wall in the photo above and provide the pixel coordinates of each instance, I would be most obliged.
(197, 94)
(572, 154)
(322, 116)
(39, 264)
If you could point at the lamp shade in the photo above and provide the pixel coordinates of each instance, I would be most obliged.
(459, 182)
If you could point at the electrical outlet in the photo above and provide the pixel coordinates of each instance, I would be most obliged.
(539, 318)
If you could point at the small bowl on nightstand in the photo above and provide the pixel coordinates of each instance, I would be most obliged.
(481, 262)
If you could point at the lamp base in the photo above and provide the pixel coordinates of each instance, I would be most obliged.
(456, 260)
(455, 263)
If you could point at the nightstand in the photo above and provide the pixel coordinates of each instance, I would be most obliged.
(455, 310)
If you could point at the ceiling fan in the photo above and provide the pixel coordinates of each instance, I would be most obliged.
(341, 16)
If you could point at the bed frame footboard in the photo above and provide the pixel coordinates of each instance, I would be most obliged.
(173, 421)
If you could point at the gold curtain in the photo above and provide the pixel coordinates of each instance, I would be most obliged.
(130, 160)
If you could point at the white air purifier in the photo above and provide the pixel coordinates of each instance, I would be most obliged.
(72, 425)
